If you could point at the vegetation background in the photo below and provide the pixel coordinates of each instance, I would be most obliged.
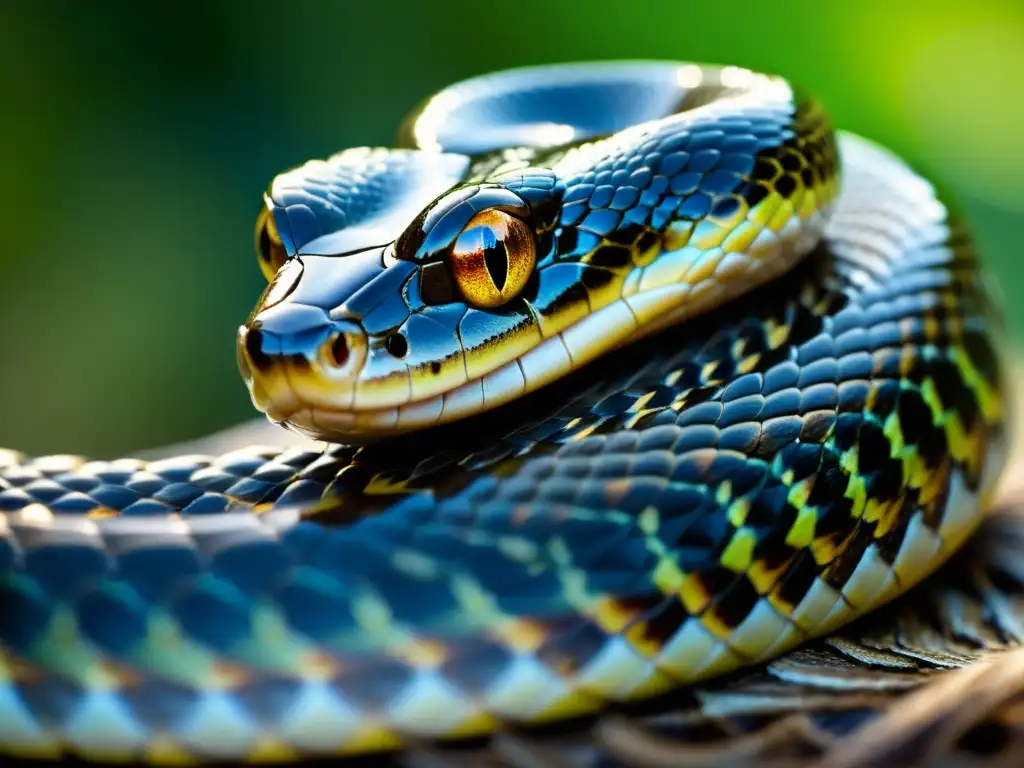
(136, 139)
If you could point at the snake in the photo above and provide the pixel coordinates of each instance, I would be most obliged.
(622, 376)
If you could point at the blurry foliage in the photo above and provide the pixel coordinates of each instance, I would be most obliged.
(137, 137)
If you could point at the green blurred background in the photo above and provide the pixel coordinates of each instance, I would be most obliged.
(136, 139)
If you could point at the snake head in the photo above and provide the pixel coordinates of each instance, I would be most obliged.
(386, 300)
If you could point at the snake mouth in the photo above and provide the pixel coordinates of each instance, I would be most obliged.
(306, 394)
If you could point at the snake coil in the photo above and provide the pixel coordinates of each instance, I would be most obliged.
(632, 373)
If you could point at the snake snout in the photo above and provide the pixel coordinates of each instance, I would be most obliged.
(303, 331)
(292, 355)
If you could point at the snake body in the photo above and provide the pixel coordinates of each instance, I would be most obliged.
(632, 374)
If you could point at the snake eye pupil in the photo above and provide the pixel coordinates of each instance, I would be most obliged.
(496, 259)
(493, 258)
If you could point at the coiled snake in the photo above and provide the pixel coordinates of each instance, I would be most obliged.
(633, 374)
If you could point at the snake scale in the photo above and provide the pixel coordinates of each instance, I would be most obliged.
(631, 374)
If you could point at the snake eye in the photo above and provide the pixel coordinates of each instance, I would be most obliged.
(493, 258)
(269, 248)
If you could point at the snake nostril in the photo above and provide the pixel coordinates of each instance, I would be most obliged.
(254, 348)
(396, 345)
(338, 350)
